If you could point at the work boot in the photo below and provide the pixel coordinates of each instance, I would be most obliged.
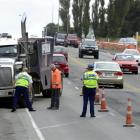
(32, 109)
(92, 116)
(13, 110)
(49, 107)
(82, 115)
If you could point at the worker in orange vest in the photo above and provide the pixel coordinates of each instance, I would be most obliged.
(56, 85)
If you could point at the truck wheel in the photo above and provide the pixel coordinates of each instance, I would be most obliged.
(46, 93)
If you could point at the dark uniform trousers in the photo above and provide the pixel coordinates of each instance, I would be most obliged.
(55, 98)
(21, 91)
(89, 95)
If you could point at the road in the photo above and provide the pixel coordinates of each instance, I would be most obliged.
(65, 124)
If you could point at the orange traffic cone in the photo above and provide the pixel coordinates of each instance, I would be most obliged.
(129, 119)
(103, 107)
(97, 97)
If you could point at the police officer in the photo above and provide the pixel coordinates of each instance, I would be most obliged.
(90, 79)
(23, 84)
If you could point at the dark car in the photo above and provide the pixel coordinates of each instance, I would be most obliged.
(72, 40)
(89, 47)
(60, 38)
(127, 62)
(61, 50)
(61, 63)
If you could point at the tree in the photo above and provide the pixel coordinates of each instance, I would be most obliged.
(77, 16)
(95, 16)
(64, 14)
(132, 20)
(51, 29)
(86, 17)
(102, 23)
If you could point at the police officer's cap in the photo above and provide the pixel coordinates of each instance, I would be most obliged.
(90, 66)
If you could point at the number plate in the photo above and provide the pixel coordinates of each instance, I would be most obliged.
(108, 75)
(126, 70)
(89, 51)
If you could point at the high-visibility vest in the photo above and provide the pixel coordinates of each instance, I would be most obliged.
(56, 81)
(22, 80)
(90, 79)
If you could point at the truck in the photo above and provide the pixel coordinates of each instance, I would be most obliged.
(35, 54)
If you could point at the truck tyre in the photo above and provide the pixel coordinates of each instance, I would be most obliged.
(96, 56)
(46, 93)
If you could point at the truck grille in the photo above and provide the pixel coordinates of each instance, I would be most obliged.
(5, 77)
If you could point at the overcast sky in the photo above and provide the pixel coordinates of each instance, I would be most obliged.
(39, 14)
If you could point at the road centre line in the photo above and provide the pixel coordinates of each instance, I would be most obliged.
(129, 86)
(38, 132)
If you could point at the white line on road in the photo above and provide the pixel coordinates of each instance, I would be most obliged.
(38, 132)
(59, 125)
(77, 88)
(112, 114)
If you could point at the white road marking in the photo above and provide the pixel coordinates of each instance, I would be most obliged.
(38, 132)
(112, 114)
(77, 88)
(69, 83)
(59, 125)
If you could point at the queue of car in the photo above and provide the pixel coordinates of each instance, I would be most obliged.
(109, 72)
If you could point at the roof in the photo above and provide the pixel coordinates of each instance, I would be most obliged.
(106, 62)
(58, 54)
(8, 41)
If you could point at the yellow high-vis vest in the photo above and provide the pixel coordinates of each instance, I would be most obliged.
(90, 79)
(22, 80)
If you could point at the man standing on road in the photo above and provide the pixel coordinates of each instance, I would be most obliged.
(23, 83)
(90, 84)
(56, 85)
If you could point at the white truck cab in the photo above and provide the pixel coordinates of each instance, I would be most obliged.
(8, 65)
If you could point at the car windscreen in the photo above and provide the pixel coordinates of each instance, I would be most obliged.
(61, 36)
(89, 43)
(124, 58)
(131, 52)
(59, 49)
(107, 66)
(60, 59)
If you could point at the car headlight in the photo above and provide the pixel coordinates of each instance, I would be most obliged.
(96, 48)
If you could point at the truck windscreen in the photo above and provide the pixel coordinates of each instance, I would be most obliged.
(8, 50)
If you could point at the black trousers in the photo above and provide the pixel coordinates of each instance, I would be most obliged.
(55, 98)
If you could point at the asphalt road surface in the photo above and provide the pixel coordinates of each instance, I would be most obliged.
(65, 123)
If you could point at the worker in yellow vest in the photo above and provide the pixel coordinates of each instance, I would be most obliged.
(23, 82)
(90, 83)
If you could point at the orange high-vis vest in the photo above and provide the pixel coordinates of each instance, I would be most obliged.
(56, 81)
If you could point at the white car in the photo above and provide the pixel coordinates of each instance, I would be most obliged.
(135, 53)
(109, 73)
(128, 41)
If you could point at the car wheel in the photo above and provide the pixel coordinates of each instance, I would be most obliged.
(119, 86)
(135, 72)
(67, 75)
(96, 56)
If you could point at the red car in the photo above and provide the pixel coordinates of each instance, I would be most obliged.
(61, 63)
(61, 50)
(72, 39)
(127, 62)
